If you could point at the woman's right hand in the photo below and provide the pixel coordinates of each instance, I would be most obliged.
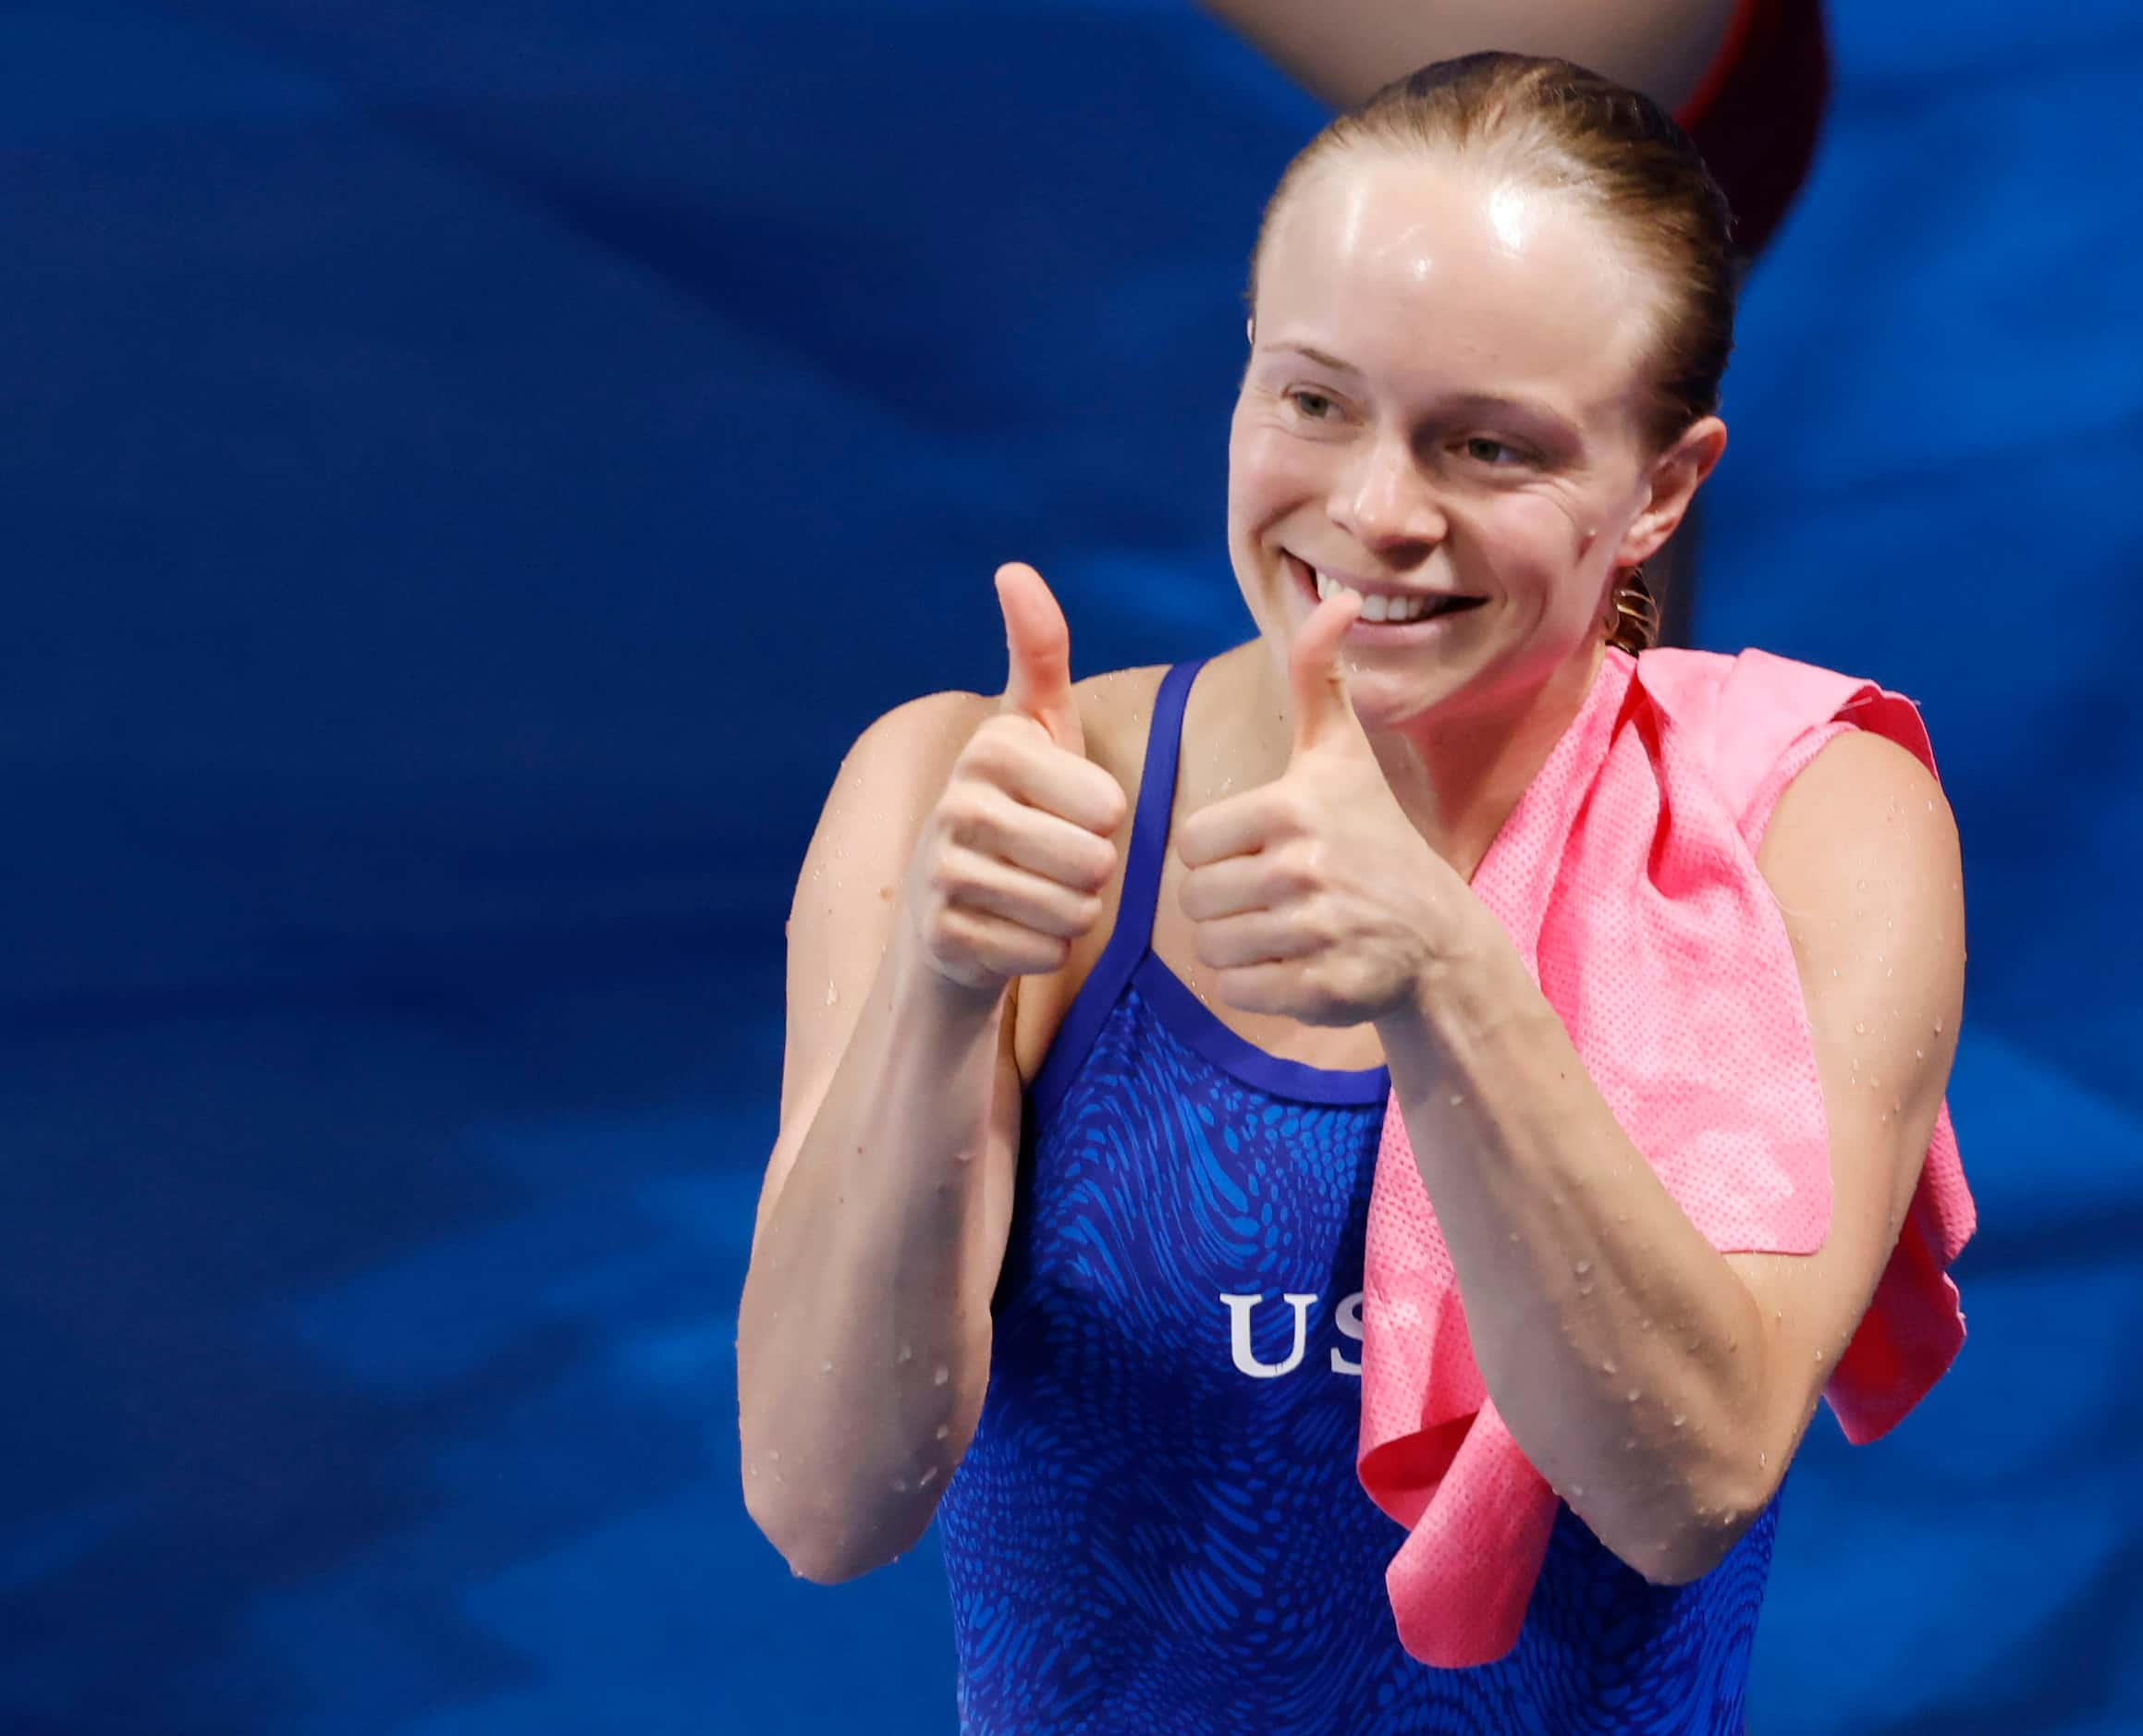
(1013, 859)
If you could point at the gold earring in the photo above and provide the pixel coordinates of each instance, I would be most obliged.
(1633, 623)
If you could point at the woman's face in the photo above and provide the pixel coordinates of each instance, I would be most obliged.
(1445, 400)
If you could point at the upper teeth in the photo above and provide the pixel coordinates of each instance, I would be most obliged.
(1376, 607)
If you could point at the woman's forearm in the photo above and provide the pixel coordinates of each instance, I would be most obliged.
(863, 1332)
(1623, 1352)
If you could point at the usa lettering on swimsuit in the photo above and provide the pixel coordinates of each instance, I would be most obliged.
(1346, 1317)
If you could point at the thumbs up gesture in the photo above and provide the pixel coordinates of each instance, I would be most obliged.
(1314, 896)
(1013, 858)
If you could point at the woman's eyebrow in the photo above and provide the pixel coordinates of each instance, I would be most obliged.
(1536, 412)
(1531, 409)
(1317, 356)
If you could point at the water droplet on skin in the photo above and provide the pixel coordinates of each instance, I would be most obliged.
(1582, 1267)
(1607, 1368)
(1456, 1098)
(1644, 1325)
(826, 1369)
(1937, 1027)
(1860, 1027)
(1679, 1419)
(927, 1478)
(940, 1375)
(754, 1471)
(1635, 1395)
(1919, 1055)
(832, 995)
(1629, 1443)
(1778, 1314)
(1762, 1459)
(773, 1455)
(1576, 1491)
(944, 1430)
(1818, 1356)
(899, 1485)
(795, 1572)
(1585, 1290)
(907, 1353)
(1860, 885)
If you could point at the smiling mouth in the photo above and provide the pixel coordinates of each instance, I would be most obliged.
(1380, 608)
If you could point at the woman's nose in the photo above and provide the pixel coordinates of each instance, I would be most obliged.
(1382, 498)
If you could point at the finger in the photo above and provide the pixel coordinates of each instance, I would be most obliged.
(999, 948)
(1287, 986)
(1038, 646)
(1255, 937)
(984, 887)
(1242, 825)
(1317, 675)
(1260, 989)
(1263, 882)
(1056, 780)
(1041, 843)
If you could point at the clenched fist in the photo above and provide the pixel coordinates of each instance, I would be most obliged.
(1013, 858)
(1314, 896)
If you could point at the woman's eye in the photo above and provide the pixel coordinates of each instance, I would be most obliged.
(1315, 406)
(1490, 451)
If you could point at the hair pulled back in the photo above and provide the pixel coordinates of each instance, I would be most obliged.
(1556, 125)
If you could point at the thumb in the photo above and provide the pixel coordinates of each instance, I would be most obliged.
(1039, 646)
(1317, 675)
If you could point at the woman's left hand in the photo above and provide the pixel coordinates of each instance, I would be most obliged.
(1314, 896)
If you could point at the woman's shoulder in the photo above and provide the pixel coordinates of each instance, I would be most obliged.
(1115, 709)
(1763, 719)
(1750, 701)
(1738, 679)
(916, 742)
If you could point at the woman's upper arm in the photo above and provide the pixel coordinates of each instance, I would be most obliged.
(849, 892)
(1862, 854)
(1344, 49)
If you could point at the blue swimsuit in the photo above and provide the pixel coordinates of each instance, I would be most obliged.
(1157, 1529)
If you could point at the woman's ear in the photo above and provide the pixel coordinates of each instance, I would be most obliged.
(1673, 478)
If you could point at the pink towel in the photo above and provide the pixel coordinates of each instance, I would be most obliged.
(1627, 875)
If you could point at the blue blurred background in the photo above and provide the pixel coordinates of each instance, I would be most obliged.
(470, 469)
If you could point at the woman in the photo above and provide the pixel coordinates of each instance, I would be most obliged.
(1749, 79)
(1362, 1045)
